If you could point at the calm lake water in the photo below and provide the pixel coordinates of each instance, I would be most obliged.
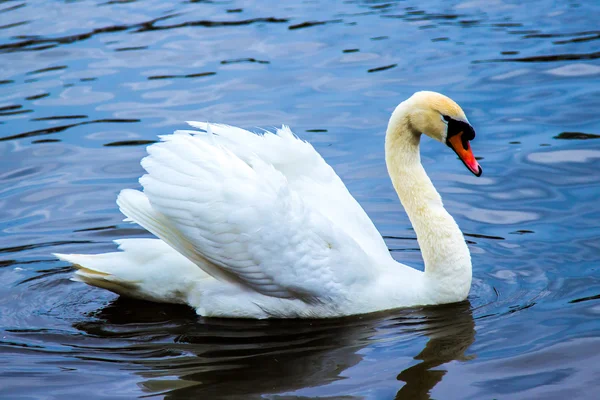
(84, 85)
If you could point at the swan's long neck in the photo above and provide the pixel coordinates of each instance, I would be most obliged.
(446, 255)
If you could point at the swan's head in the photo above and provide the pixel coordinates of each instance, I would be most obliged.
(440, 118)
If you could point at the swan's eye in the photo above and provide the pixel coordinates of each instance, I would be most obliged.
(446, 118)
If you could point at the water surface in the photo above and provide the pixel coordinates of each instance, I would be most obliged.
(85, 85)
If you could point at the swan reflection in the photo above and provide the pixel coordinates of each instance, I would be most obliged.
(451, 332)
(180, 356)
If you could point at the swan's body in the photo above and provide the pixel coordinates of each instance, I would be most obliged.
(261, 226)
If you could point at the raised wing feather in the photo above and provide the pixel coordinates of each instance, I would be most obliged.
(306, 173)
(243, 216)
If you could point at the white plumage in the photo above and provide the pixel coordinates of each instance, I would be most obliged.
(259, 225)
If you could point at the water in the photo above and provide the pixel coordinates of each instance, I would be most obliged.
(86, 84)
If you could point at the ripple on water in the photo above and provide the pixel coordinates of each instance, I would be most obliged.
(81, 98)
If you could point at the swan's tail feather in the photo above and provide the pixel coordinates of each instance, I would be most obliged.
(147, 269)
(90, 270)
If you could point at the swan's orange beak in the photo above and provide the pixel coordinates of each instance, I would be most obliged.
(462, 148)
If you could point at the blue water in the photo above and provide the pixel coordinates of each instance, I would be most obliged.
(84, 85)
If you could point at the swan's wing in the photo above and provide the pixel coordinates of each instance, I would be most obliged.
(241, 221)
(306, 172)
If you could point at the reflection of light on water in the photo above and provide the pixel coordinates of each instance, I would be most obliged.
(511, 74)
(553, 157)
(489, 216)
(575, 70)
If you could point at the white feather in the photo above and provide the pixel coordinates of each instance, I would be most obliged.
(243, 216)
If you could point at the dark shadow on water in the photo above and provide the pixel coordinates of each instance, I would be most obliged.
(61, 128)
(129, 143)
(182, 356)
(576, 136)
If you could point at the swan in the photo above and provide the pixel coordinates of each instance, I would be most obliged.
(260, 226)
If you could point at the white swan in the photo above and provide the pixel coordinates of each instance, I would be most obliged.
(260, 226)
